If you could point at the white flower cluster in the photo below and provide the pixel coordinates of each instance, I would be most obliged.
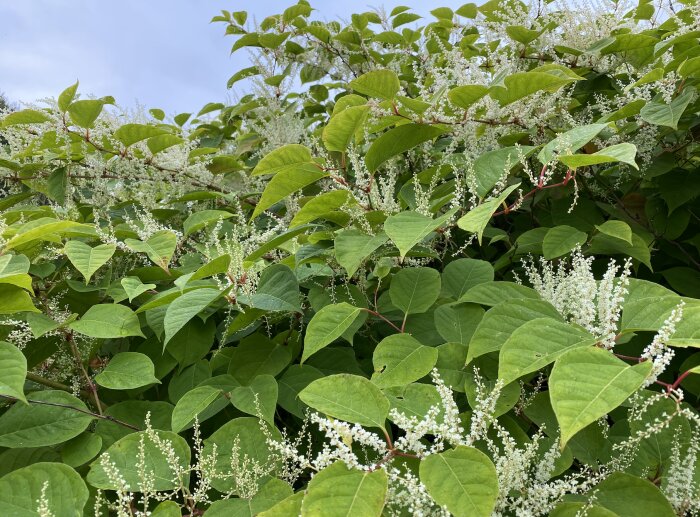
(657, 351)
(576, 294)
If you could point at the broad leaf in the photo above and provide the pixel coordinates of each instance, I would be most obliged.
(339, 491)
(475, 220)
(348, 397)
(560, 240)
(406, 229)
(587, 383)
(87, 259)
(110, 320)
(13, 365)
(400, 359)
(415, 290)
(352, 247)
(127, 370)
(398, 140)
(377, 83)
(463, 480)
(327, 325)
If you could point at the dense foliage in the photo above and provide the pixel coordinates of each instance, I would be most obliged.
(437, 269)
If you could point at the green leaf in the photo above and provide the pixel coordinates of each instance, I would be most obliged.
(493, 293)
(342, 126)
(570, 141)
(249, 438)
(38, 425)
(630, 496)
(602, 244)
(199, 220)
(339, 491)
(13, 366)
(383, 84)
(14, 299)
(286, 182)
(462, 274)
(216, 266)
(59, 486)
(406, 229)
(502, 320)
(160, 143)
(84, 113)
(618, 229)
(133, 287)
(521, 84)
(348, 397)
(463, 480)
(278, 290)
(186, 307)
(323, 205)
(475, 220)
(398, 140)
(492, 166)
(415, 290)
(160, 247)
(465, 96)
(127, 370)
(256, 356)
(352, 247)
(663, 114)
(289, 506)
(400, 359)
(259, 398)
(122, 454)
(27, 116)
(81, 449)
(587, 383)
(86, 259)
(560, 240)
(109, 320)
(192, 404)
(624, 153)
(327, 325)
(129, 134)
(537, 343)
(295, 379)
(287, 157)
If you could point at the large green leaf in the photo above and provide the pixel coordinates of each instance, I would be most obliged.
(37, 424)
(192, 404)
(202, 219)
(492, 166)
(354, 246)
(667, 114)
(536, 343)
(14, 299)
(465, 96)
(13, 366)
(278, 290)
(406, 229)
(127, 370)
(327, 325)
(463, 480)
(84, 113)
(377, 83)
(87, 259)
(521, 84)
(560, 240)
(348, 397)
(339, 491)
(283, 158)
(622, 153)
(325, 205)
(28, 116)
(502, 320)
(341, 128)
(587, 383)
(630, 496)
(160, 247)
(397, 140)
(239, 442)
(475, 220)
(415, 290)
(58, 486)
(462, 274)
(400, 359)
(286, 182)
(108, 320)
(569, 141)
(154, 463)
(186, 307)
(258, 398)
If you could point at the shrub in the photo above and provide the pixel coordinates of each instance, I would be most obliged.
(419, 270)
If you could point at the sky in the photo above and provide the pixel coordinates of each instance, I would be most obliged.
(154, 53)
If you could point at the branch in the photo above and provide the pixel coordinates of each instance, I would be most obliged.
(73, 408)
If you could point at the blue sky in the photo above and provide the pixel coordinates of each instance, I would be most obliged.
(157, 53)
